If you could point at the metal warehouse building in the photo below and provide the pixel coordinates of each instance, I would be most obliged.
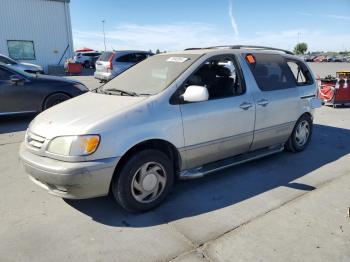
(36, 31)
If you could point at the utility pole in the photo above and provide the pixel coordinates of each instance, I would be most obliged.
(104, 34)
(299, 37)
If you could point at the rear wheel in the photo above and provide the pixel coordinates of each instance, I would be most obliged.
(301, 135)
(86, 64)
(55, 99)
(144, 181)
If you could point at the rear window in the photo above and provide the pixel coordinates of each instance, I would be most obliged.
(105, 56)
(271, 72)
(91, 54)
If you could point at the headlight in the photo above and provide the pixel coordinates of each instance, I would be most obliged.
(81, 87)
(74, 145)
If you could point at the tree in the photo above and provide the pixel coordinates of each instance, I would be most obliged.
(157, 52)
(300, 48)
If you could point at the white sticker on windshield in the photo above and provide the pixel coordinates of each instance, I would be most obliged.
(177, 59)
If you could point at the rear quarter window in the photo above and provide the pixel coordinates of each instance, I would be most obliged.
(300, 72)
(129, 58)
(272, 72)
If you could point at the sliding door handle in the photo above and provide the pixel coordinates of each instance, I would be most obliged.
(263, 102)
(245, 105)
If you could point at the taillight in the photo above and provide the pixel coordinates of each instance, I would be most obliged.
(110, 62)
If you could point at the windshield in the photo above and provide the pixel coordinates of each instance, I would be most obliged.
(20, 72)
(152, 75)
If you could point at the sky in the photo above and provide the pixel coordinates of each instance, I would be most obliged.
(174, 25)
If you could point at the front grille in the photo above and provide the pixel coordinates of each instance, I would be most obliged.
(34, 140)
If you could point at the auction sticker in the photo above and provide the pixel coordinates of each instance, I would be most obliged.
(177, 59)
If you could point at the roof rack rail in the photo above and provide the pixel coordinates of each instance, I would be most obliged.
(195, 48)
(243, 47)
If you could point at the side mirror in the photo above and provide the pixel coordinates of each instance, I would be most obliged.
(16, 79)
(196, 94)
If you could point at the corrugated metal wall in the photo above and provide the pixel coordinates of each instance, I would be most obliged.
(47, 23)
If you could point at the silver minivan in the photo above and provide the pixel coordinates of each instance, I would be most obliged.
(175, 115)
(111, 64)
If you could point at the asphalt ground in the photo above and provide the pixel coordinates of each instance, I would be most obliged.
(282, 207)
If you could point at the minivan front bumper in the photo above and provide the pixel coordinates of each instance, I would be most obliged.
(75, 180)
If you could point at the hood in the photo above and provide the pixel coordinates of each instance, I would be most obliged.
(81, 114)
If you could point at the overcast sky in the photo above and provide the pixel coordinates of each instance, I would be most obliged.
(178, 24)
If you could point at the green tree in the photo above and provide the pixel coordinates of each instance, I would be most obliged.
(300, 48)
(157, 52)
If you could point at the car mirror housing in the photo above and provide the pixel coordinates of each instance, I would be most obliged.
(196, 94)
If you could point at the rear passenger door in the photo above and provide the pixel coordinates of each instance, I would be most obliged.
(277, 100)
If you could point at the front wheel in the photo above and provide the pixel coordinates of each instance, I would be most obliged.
(301, 135)
(144, 181)
(55, 99)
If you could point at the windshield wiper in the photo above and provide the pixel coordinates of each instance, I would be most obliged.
(122, 92)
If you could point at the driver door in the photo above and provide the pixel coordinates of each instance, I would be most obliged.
(14, 97)
(222, 126)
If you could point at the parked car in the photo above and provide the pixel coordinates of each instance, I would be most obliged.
(111, 64)
(175, 115)
(27, 67)
(87, 59)
(310, 58)
(320, 58)
(339, 59)
(21, 92)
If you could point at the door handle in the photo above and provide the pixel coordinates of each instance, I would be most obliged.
(245, 105)
(263, 102)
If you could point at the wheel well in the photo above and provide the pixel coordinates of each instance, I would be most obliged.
(55, 93)
(308, 114)
(167, 148)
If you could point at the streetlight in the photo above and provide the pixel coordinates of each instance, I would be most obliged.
(104, 34)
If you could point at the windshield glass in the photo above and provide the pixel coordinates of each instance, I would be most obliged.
(20, 72)
(152, 75)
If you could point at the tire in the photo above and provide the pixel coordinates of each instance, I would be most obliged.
(301, 135)
(137, 189)
(54, 99)
(86, 64)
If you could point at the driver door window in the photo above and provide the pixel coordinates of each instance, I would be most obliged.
(220, 76)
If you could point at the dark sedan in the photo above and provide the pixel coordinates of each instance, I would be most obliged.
(21, 92)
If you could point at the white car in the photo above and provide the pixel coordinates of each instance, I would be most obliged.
(111, 64)
(87, 59)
